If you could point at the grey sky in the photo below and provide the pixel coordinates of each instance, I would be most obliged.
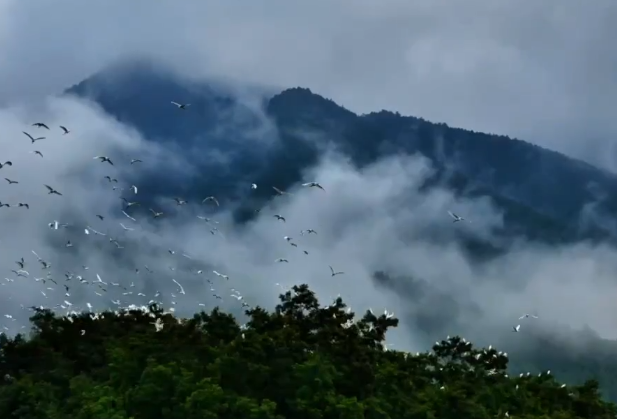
(543, 71)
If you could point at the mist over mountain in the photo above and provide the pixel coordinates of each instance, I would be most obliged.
(235, 136)
(402, 111)
(530, 245)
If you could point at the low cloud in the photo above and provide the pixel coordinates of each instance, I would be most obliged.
(393, 242)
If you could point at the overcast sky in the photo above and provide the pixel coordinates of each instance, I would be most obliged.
(539, 70)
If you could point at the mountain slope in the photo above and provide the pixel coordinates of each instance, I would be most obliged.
(523, 180)
(541, 193)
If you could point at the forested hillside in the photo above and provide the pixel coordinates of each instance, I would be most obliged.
(294, 127)
(301, 361)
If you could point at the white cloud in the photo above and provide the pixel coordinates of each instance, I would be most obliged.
(369, 220)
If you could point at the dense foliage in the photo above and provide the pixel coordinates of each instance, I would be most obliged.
(300, 361)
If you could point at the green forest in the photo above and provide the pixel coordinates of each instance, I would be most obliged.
(301, 361)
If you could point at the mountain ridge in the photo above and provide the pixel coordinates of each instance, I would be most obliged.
(541, 193)
(507, 169)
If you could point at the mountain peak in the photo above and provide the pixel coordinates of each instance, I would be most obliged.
(302, 101)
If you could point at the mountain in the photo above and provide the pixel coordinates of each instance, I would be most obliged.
(236, 138)
(525, 181)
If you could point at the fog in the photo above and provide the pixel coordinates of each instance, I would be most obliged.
(366, 221)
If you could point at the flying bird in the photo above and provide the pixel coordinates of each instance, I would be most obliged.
(211, 198)
(129, 204)
(155, 214)
(334, 273)
(253, 186)
(279, 217)
(40, 125)
(103, 159)
(180, 201)
(136, 161)
(66, 131)
(313, 185)
(88, 229)
(526, 316)
(32, 138)
(455, 217)
(279, 191)
(181, 106)
(178, 284)
(23, 205)
(52, 191)
(37, 152)
(206, 219)
(10, 181)
(6, 163)
(516, 328)
(128, 216)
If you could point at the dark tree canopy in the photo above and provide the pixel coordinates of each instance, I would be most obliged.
(302, 361)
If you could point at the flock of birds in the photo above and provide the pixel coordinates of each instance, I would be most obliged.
(51, 283)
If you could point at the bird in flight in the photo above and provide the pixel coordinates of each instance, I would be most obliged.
(516, 328)
(6, 163)
(65, 129)
(180, 201)
(279, 191)
(181, 106)
(334, 273)
(37, 152)
(32, 138)
(313, 185)
(52, 191)
(526, 316)
(455, 217)
(155, 214)
(126, 228)
(10, 181)
(129, 204)
(128, 216)
(104, 159)
(40, 125)
(136, 161)
(279, 217)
